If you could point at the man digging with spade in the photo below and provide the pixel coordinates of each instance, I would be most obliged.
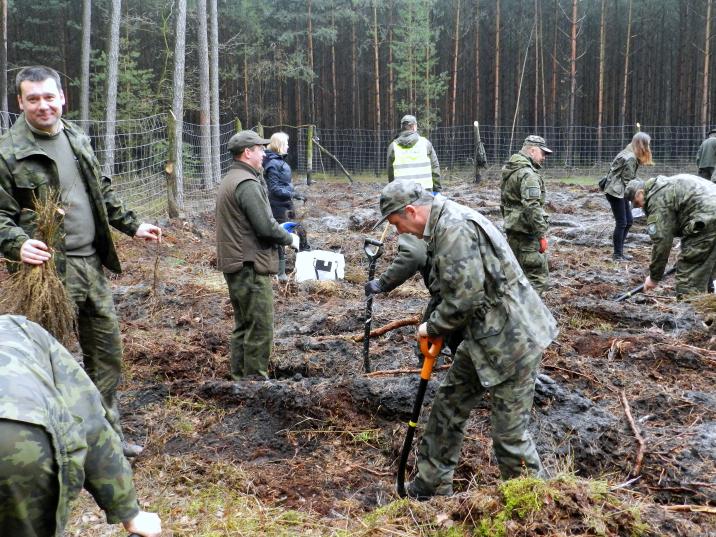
(506, 325)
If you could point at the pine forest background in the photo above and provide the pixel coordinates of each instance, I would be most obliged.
(580, 72)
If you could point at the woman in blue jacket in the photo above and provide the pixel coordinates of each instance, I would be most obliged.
(281, 194)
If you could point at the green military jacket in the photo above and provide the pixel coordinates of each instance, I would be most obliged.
(246, 231)
(622, 170)
(679, 206)
(409, 139)
(523, 197)
(706, 155)
(42, 384)
(27, 172)
(485, 292)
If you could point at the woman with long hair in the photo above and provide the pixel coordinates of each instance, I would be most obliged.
(622, 170)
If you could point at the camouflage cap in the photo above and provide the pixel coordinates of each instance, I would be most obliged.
(397, 195)
(408, 120)
(537, 141)
(244, 139)
(632, 188)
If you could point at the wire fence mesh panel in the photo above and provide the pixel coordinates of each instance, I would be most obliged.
(141, 153)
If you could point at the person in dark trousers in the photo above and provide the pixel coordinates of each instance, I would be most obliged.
(281, 193)
(706, 157)
(622, 170)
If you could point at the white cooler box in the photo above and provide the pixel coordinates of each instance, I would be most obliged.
(319, 265)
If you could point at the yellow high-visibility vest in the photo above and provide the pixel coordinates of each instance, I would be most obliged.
(413, 163)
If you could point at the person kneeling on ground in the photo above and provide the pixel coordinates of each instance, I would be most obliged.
(507, 327)
(55, 439)
(679, 206)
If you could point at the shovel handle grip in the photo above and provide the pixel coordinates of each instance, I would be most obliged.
(430, 347)
(373, 242)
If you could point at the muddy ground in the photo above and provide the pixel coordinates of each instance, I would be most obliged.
(323, 438)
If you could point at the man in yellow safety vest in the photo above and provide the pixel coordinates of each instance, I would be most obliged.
(412, 157)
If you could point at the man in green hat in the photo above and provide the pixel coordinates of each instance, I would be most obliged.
(522, 203)
(680, 206)
(507, 327)
(247, 240)
(412, 157)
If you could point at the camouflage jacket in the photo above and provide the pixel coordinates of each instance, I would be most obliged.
(409, 139)
(679, 206)
(622, 170)
(485, 292)
(41, 383)
(523, 197)
(706, 155)
(27, 172)
(412, 258)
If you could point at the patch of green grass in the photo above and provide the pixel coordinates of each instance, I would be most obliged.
(588, 180)
(522, 496)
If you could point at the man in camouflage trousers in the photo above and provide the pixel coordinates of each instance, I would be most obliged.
(679, 206)
(412, 258)
(706, 157)
(522, 204)
(485, 293)
(55, 440)
(42, 154)
(247, 237)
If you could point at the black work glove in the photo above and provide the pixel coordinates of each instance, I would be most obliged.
(373, 288)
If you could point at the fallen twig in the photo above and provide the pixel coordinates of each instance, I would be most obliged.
(637, 434)
(403, 371)
(691, 508)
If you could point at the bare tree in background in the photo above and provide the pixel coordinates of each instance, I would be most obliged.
(575, 31)
(625, 86)
(214, 69)
(600, 95)
(707, 61)
(85, 62)
(376, 65)
(178, 101)
(456, 53)
(4, 119)
(497, 64)
(204, 112)
(112, 68)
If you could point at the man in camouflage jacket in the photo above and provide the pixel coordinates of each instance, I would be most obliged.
(412, 258)
(522, 204)
(485, 293)
(43, 154)
(706, 157)
(679, 206)
(55, 440)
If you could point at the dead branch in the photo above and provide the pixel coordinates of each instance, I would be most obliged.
(637, 435)
(410, 321)
(403, 371)
(691, 508)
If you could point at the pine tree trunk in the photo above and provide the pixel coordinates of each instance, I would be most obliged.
(600, 95)
(456, 51)
(112, 68)
(246, 87)
(555, 67)
(497, 64)
(334, 85)
(376, 65)
(625, 86)
(311, 90)
(178, 98)
(85, 61)
(391, 73)
(477, 59)
(214, 90)
(707, 61)
(204, 93)
(572, 79)
(4, 118)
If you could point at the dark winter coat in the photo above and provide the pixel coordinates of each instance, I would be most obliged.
(277, 173)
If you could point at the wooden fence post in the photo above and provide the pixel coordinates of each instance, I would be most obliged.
(260, 130)
(309, 155)
(170, 169)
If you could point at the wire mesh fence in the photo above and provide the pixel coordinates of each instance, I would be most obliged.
(142, 150)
